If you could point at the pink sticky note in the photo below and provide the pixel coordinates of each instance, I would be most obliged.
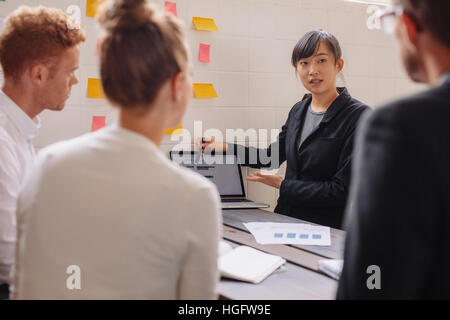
(203, 53)
(98, 122)
(171, 7)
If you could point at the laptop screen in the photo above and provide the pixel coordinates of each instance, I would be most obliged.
(221, 169)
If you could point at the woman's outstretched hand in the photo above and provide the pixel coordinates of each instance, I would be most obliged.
(272, 180)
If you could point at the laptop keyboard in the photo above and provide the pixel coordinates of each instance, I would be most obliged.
(243, 205)
(235, 200)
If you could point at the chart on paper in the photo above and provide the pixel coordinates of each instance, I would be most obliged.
(289, 233)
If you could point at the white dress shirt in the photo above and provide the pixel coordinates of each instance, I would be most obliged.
(17, 130)
(137, 225)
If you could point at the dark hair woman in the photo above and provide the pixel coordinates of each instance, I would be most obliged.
(316, 140)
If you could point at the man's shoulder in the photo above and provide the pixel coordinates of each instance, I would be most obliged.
(429, 105)
(5, 126)
(7, 140)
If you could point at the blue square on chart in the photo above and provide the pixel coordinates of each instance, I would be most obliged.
(278, 235)
(291, 235)
(304, 236)
(317, 236)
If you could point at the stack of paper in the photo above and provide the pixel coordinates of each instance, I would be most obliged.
(247, 264)
(331, 267)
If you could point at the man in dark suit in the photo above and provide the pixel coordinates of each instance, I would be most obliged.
(398, 216)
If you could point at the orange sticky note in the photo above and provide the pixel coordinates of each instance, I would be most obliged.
(172, 131)
(92, 7)
(203, 52)
(95, 89)
(171, 7)
(204, 24)
(98, 122)
(204, 90)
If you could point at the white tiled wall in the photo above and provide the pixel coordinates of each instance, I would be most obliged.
(250, 65)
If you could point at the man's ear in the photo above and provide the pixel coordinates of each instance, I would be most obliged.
(411, 27)
(39, 73)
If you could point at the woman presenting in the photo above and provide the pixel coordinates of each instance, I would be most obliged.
(316, 140)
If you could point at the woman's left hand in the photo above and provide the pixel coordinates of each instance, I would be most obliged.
(270, 179)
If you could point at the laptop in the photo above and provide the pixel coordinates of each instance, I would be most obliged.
(224, 171)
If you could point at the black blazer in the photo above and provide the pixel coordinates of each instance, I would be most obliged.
(317, 176)
(400, 216)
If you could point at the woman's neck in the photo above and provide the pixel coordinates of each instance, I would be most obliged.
(149, 125)
(321, 103)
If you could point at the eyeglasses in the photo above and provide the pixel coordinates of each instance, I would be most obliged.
(387, 18)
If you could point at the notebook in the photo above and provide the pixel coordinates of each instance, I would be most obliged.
(246, 264)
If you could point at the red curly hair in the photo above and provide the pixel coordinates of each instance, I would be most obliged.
(36, 35)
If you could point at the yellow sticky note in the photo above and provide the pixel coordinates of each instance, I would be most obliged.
(204, 24)
(95, 89)
(171, 131)
(92, 6)
(204, 90)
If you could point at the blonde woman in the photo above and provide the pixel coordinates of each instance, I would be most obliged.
(109, 206)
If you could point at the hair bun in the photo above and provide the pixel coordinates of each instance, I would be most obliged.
(125, 14)
(130, 3)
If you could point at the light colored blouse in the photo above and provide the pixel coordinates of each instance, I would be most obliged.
(111, 204)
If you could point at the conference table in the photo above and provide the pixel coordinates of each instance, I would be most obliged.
(299, 279)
